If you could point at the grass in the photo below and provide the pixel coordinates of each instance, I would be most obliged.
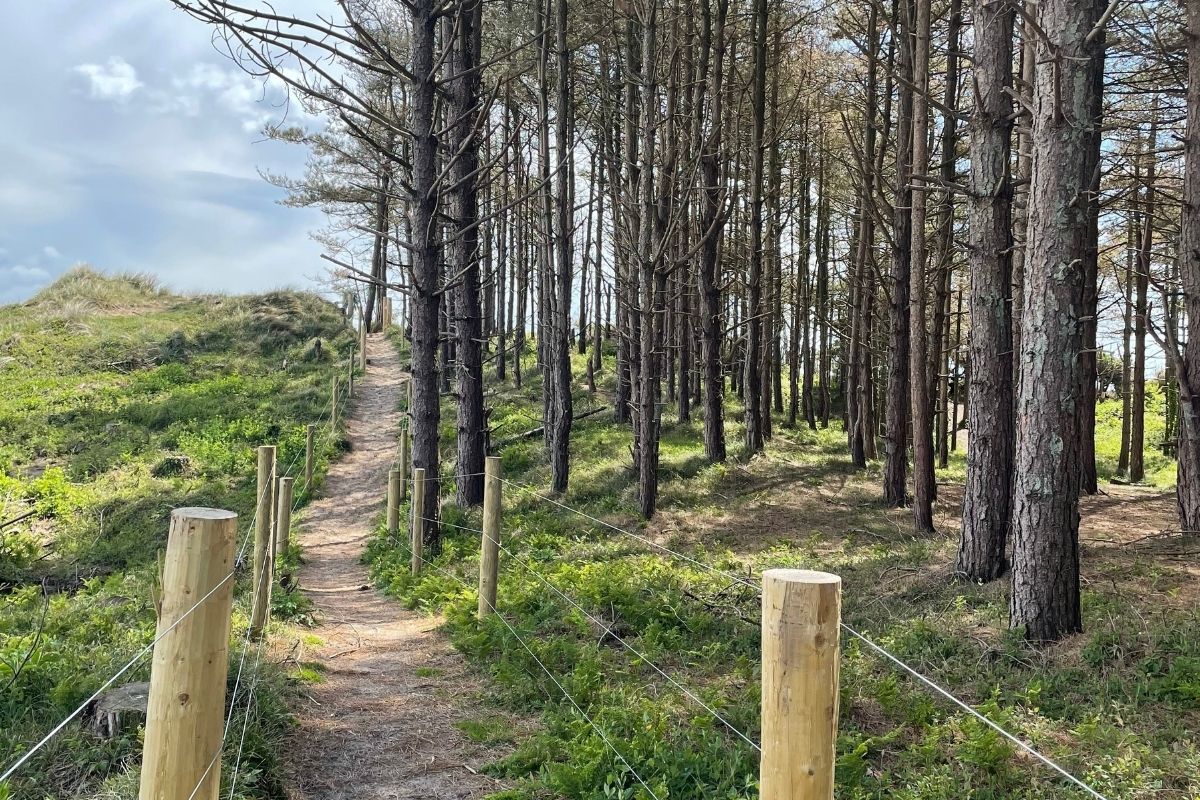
(1118, 705)
(1160, 468)
(122, 402)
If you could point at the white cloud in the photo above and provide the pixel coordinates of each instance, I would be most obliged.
(25, 274)
(50, 251)
(116, 79)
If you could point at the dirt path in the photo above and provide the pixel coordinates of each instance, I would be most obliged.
(381, 723)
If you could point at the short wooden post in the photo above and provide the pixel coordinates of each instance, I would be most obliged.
(801, 616)
(261, 578)
(310, 438)
(184, 713)
(417, 528)
(283, 517)
(333, 404)
(393, 502)
(403, 465)
(489, 548)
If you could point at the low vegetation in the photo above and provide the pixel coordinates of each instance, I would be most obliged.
(121, 402)
(1118, 706)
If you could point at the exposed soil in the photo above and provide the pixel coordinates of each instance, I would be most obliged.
(382, 721)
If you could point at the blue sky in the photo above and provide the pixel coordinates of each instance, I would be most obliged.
(130, 143)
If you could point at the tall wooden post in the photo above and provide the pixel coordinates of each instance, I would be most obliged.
(184, 713)
(310, 438)
(417, 528)
(404, 463)
(393, 503)
(283, 517)
(489, 549)
(350, 375)
(333, 404)
(801, 616)
(261, 578)
(362, 349)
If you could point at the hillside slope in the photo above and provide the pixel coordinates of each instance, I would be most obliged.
(121, 402)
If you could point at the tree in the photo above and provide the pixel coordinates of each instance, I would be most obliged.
(1188, 367)
(1045, 597)
(987, 503)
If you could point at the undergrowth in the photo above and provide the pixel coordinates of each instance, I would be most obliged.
(122, 402)
(1118, 706)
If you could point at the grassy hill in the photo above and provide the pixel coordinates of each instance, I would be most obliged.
(122, 401)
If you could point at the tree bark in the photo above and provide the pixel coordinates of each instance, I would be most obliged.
(896, 434)
(987, 503)
(1045, 596)
(426, 403)
(464, 252)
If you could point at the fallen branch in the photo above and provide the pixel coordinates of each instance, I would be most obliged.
(538, 431)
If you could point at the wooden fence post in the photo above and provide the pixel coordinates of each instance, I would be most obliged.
(283, 517)
(261, 578)
(417, 528)
(333, 404)
(310, 437)
(393, 502)
(362, 348)
(403, 465)
(186, 706)
(801, 616)
(350, 374)
(489, 548)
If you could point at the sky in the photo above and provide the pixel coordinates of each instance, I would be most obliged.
(129, 142)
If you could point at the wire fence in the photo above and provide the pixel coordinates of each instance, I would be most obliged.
(872, 646)
(136, 659)
(244, 687)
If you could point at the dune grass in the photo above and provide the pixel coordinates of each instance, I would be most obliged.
(122, 402)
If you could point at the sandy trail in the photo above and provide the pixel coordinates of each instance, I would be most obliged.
(381, 723)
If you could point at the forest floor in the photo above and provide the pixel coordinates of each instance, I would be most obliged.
(379, 720)
(1118, 705)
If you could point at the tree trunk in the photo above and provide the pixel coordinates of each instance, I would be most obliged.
(756, 405)
(426, 403)
(987, 502)
(896, 434)
(1188, 372)
(464, 252)
(918, 360)
(1137, 424)
(1045, 596)
(712, 224)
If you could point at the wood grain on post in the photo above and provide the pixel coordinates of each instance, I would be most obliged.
(417, 528)
(283, 516)
(186, 706)
(403, 465)
(261, 577)
(310, 438)
(393, 502)
(801, 616)
(489, 549)
(362, 349)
